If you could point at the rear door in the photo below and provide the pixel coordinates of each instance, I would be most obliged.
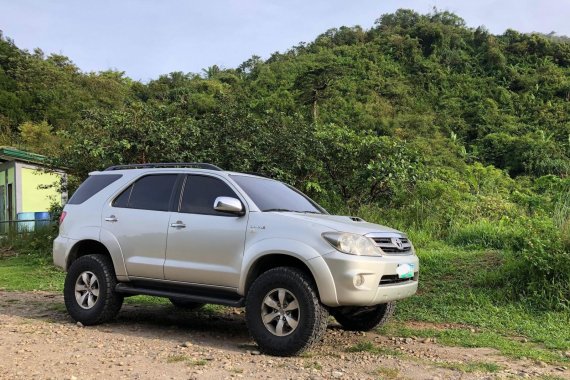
(205, 246)
(138, 219)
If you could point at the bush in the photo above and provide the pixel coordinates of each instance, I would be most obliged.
(36, 242)
(539, 273)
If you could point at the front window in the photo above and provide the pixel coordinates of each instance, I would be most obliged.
(271, 195)
(200, 193)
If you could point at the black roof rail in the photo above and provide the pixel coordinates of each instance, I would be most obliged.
(258, 174)
(198, 165)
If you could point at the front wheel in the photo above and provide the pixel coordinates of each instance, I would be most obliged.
(363, 318)
(283, 312)
(89, 290)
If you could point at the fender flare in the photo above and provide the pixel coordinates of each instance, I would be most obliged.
(107, 240)
(311, 258)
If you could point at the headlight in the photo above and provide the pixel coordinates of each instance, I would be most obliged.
(352, 244)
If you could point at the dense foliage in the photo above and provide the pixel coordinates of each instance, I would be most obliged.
(420, 122)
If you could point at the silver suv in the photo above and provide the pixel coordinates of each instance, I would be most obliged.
(196, 234)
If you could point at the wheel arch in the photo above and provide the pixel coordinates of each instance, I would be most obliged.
(316, 269)
(274, 260)
(83, 248)
(91, 247)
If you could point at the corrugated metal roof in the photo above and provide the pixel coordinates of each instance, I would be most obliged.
(12, 154)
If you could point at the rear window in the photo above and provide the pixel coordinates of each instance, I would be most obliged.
(152, 192)
(92, 185)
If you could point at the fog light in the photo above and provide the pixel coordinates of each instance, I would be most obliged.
(358, 280)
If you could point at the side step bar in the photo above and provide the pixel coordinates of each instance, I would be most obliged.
(218, 299)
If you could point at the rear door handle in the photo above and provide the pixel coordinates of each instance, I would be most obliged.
(178, 224)
(111, 218)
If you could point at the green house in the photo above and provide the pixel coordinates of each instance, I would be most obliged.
(26, 189)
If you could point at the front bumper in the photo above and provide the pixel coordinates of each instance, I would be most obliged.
(344, 269)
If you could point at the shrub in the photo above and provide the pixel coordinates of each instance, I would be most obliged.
(540, 272)
(36, 242)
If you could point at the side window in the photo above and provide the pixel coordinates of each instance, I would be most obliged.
(151, 192)
(200, 192)
(92, 185)
(123, 199)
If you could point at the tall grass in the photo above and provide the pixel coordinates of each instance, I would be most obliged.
(536, 269)
(561, 217)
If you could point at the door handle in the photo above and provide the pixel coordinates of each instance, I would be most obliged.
(178, 224)
(111, 218)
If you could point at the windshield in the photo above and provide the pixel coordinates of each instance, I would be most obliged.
(270, 195)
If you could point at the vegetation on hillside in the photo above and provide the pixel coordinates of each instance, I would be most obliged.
(448, 132)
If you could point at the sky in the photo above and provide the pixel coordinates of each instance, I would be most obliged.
(147, 38)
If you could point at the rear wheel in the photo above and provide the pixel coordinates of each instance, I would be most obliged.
(184, 304)
(89, 290)
(363, 318)
(283, 312)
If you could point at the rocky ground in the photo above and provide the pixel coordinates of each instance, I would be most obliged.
(38, 340)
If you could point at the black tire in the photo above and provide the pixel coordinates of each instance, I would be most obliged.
(107, 303)
(363, 318)
(185, 304)
(311, 314)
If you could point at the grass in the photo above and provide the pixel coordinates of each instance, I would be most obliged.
(196, 362)
(469, 367)
(33, 272)
(457, 287)
(370, 347)
(30, 272)
(313, 364)
(387, 373)
(176, 358)
(505, 344)
(149, 300)
(146, 300)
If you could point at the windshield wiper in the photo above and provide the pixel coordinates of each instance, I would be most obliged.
(311, 212)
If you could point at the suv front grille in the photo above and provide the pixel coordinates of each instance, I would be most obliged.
(394, 245)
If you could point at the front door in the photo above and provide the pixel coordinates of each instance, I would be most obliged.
(138, 219)
(205, 246)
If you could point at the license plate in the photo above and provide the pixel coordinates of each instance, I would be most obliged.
(405, 270)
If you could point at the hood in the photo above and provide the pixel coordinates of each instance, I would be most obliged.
(341, 223)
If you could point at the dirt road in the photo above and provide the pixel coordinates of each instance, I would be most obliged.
(38, 340)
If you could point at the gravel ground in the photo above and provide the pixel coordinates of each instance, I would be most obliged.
(38, 340)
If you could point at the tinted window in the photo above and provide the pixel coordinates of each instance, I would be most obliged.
(123, 199)
(152, 192)
(200, 192)
(92, 185)
(270, 195)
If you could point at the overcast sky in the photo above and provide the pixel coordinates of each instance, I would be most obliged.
(147, 38)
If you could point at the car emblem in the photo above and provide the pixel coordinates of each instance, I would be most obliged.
(398, 243)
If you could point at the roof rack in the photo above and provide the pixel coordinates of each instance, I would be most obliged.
(198, 165)
(258, 174)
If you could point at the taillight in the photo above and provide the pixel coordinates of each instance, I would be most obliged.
(62, 216)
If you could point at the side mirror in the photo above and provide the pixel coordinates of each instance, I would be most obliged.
(228, 204)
